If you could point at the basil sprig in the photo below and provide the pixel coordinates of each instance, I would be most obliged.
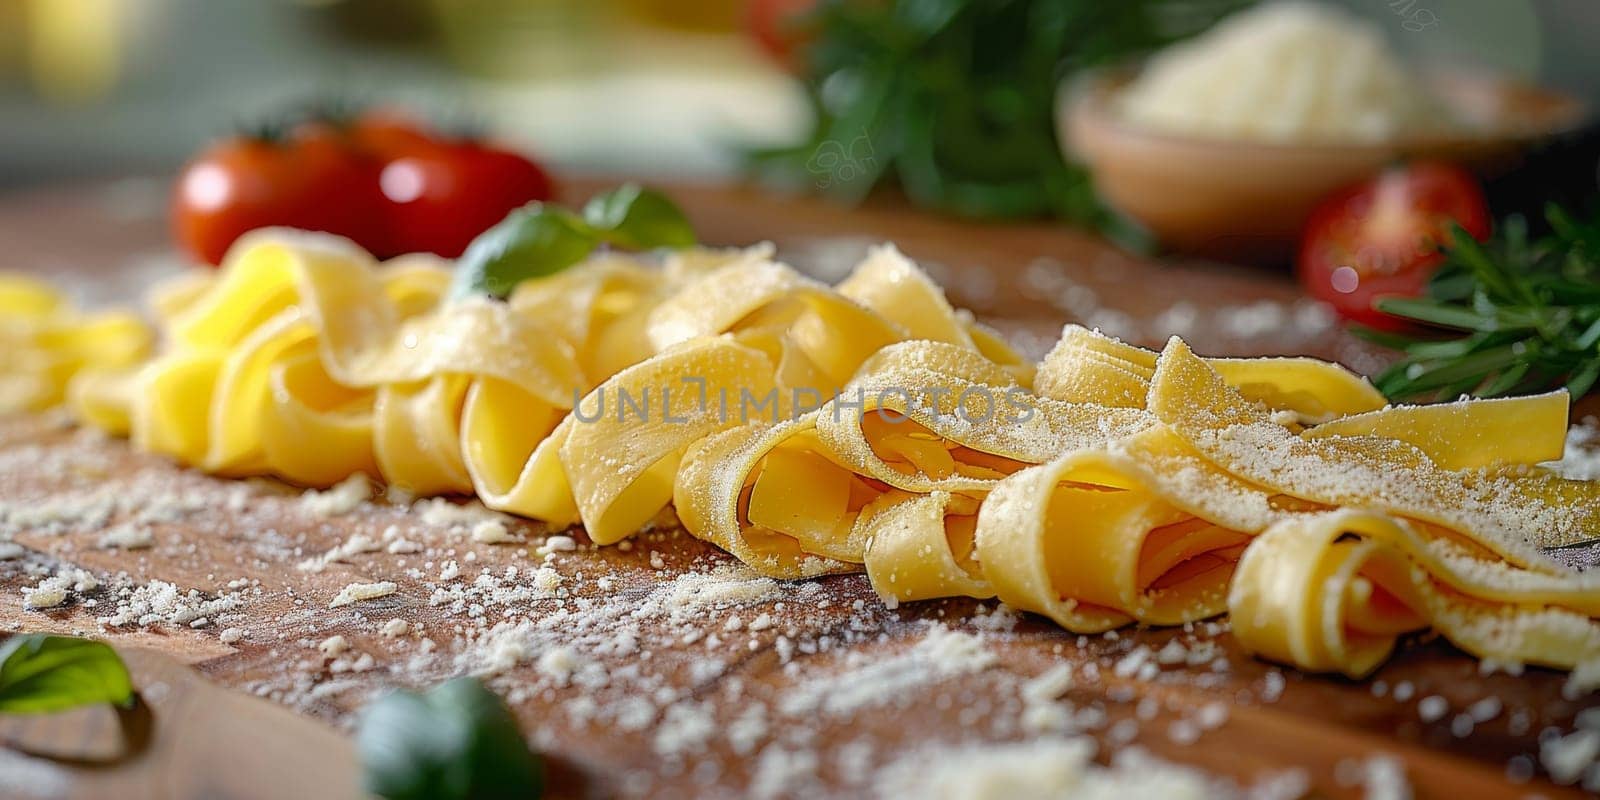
(457, 741)
(542, 239)
(40, 674)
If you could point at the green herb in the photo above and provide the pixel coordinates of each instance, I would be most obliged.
(542, 239)
(1528, 313)
(634, 217)
(955, 99)
(454, 742)
(41, 673)
(533, 241)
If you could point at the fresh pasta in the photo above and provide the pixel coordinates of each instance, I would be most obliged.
(44, 342)
(1333, 591)
(870, 427)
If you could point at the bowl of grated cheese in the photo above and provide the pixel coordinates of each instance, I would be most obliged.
(1222, 145)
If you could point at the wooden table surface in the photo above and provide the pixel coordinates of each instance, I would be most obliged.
(629, 688)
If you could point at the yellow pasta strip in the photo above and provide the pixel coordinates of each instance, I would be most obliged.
(255, 284)
(416, 437)
(173, 296)
(804, 495)
(316, 431)
(717, 301)
(891, 285)
(1468, 433)
(922, 546)
(1087, 366)
(510, 443)
(600, 311)
(44, 343)
(1332, 592)
(1508, 514)
(621, 464)
(173, 403)
(1057, 539)
(1314, 390)
(899, 291)
(964, 412)
(103, 398)
(242, 397)
(22, 296)
(713, 492)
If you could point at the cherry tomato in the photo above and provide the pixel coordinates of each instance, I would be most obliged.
(1381, 237)
(310, 181)
(381, 179)
(773, 26)
(439, 195)
(388, 133)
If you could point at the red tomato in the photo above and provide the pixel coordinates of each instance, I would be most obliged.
(772, 24)
(388, 133)
(380, 179)
(1381, 237)
(439, 195)
(312, 181)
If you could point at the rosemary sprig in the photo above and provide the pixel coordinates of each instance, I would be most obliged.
(1526, 313)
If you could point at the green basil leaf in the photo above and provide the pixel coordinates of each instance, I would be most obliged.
(41, 673)
(531, 242)
(456, 741)
(638, 218)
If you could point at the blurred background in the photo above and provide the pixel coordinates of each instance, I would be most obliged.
(1424, 168)
(643, 87)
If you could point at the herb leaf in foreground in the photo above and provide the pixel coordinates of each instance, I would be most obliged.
(40, 673)
(542, 239)
(638, 218)
(1526, 317)
(456, 741)
(531, 242)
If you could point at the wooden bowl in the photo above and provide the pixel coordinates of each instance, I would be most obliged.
(1248, 201)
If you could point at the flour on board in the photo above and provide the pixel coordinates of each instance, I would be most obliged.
(344, 497)
(357, 592)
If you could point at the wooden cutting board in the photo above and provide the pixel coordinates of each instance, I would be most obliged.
(186, 737)
(630, 684)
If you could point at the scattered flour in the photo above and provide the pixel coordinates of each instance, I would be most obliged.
(1581, 461)
(940, 655)
(492, 531)
(54, 590)
(342, 498)
(1040, 768)
(1568, 757)
(128, 536)
(355, 545)
(1382, 777)
(441, 512)
(160, 602)
(357, 592)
